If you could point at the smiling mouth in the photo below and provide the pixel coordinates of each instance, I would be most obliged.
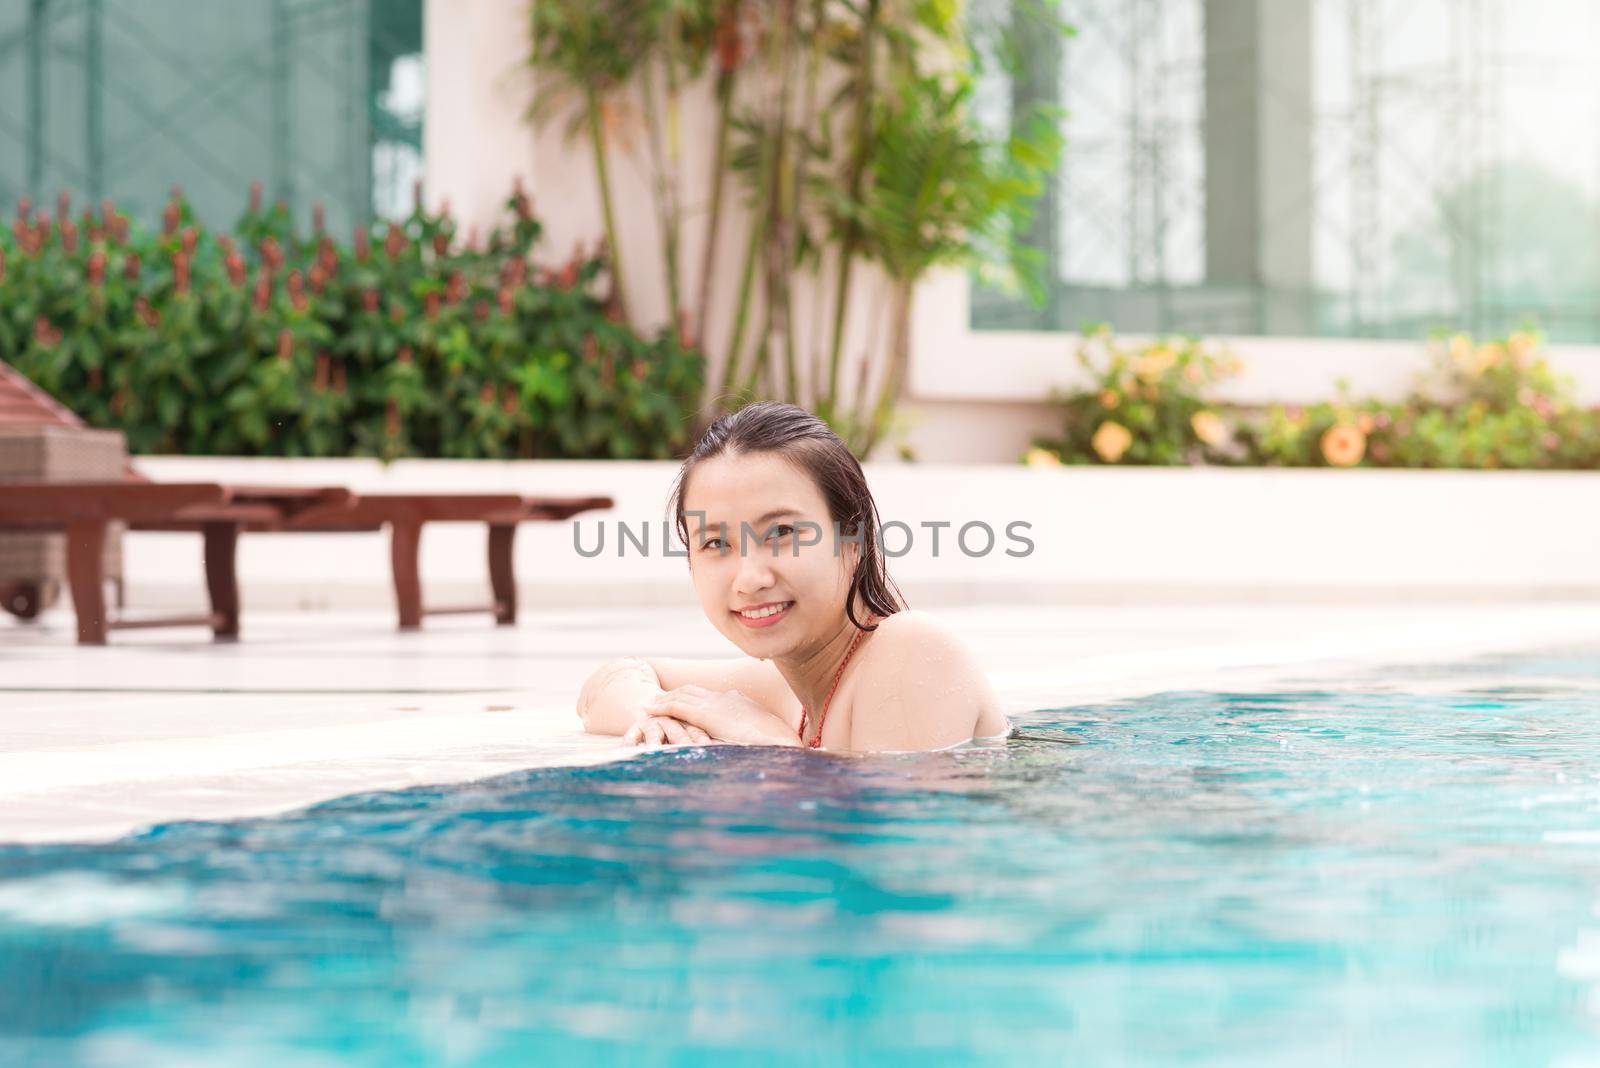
(764, 615)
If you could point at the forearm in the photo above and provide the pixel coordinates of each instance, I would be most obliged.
(611, 700)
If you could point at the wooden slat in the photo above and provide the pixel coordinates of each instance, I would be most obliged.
(36, 504)
(25, 404)
(208, 620)
(370, 508)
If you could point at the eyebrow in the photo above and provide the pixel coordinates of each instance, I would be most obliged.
(776, 513)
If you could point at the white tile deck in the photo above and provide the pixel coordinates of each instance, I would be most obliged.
(164, 725)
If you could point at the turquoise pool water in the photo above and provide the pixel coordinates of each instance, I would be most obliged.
(1305, 878)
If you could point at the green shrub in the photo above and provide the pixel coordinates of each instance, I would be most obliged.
(268, 342)
(1145, 404)
(1493, 405)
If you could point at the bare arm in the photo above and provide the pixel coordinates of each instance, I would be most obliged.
(613, 698)
(616, 695)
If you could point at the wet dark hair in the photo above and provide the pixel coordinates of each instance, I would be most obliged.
(811, 446)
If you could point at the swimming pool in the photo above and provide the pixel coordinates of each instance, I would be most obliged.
(1407, 872)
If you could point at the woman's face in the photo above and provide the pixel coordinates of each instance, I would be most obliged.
(778, 580)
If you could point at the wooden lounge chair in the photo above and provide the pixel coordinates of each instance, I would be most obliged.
(405, 514)
(85, 510)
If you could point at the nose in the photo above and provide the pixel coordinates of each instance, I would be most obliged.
(755, 572)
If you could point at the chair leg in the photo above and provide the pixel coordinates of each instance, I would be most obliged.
(502, 573)
(86, 541)
(405, 539)
(222, 580)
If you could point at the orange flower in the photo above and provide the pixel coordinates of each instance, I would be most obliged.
(1343, 445)
(1521, 345)
(1111, 441)
(1037, 457)
(1109, 398)
(1208, 427)
(1155, 363)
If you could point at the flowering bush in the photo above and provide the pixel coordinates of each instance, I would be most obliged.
(1146, 405)
(268, 342)
(1489, 405)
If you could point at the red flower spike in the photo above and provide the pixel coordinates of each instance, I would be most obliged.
(263, 294)
(169, 219)
(369, 299)
(338, 379)
(318, 279)
(235, 268)
(486, 395)
(441, 244)
(403, 357)
(69, 236)
(640, 370)
(394, 242)
(507, 300)
(24, 208)
(97, 268)
(285, 345)
(255, 197)
(130, 267)
(454, 287)
(397, 312)
(190, 240)
(180, 274)
(363, 244)
(430, 306)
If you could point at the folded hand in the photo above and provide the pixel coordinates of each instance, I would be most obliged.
(664, 730)
(725, 715)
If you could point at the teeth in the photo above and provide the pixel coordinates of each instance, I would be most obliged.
(770, 610)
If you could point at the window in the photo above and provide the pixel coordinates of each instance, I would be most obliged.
(319, 99)
(1317, 168)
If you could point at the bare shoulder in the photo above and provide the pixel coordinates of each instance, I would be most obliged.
(920, 687)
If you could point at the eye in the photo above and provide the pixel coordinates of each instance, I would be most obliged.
(712, 545)
(782, 530)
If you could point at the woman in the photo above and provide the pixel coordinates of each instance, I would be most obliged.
(781, 533)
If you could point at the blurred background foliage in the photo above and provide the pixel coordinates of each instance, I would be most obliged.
(414, 341)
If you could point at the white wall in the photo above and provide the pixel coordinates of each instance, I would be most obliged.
(1100, 534)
